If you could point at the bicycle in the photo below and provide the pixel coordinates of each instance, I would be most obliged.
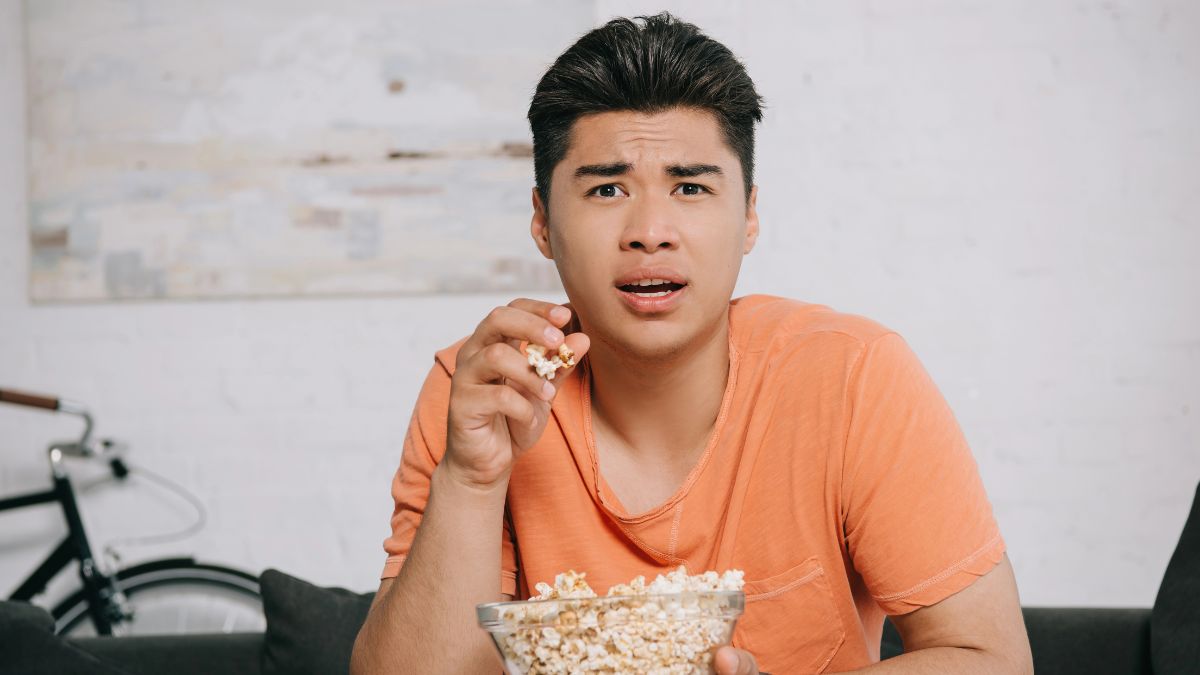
(169, 595)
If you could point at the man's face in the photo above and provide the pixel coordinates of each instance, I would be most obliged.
(644, 197)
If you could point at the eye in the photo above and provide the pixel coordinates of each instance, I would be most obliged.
(692, 189)
(606, 191)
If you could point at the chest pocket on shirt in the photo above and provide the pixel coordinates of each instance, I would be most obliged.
(790, 624)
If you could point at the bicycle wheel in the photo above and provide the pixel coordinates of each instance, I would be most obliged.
(174, 596)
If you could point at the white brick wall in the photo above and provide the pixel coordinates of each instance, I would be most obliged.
(1013, 186)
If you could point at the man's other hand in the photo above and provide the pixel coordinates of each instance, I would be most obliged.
(734, 661)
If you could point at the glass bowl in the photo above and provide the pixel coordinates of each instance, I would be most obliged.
(652, 633)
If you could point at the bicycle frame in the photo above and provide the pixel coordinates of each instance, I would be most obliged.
(104, 596)
(105, 601)
(100, 589)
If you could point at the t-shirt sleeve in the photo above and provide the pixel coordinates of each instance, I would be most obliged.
(918, 524)
(424, 447)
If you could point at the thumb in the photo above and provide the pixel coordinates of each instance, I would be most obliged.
(731, 661)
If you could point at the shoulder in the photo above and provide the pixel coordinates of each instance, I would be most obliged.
(764, 323)
(434, 396)
(445, 358)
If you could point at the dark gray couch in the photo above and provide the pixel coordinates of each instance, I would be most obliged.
(311, 630)
(1063, 640)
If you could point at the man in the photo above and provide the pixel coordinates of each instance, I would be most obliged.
(803, 446)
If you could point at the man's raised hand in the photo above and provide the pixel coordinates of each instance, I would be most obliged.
(498, 405)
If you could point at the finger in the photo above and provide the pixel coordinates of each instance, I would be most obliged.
(504, 324)
(500, 363)
(558, 316)
(579, 344)
(554, 313)
(482, 402)
(731, 661)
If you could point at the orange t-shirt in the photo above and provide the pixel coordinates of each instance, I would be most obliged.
(836, 477)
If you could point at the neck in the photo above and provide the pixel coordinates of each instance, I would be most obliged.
(669, 407)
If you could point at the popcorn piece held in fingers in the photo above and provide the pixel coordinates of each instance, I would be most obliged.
(546, 367)
(567, 356)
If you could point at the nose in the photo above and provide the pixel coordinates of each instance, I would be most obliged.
(651, 227)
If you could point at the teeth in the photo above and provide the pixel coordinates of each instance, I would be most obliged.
(639, 285)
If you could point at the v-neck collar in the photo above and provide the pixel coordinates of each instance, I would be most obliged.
(604, 494)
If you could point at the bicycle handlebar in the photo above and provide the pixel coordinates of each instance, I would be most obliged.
(29, 400)
(86, 446)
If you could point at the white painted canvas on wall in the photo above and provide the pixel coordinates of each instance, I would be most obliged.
(282, 148)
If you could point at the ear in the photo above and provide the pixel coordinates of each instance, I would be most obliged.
(751, 221)
(539, 226)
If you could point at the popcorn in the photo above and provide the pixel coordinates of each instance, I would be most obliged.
(669, 626)
(568, 585)
(547, 367)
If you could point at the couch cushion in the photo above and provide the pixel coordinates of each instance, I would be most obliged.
(310, 630)
(891, 645)
(1089, 640)
(194, 653)
(1068, 640)
(29, 646)
(1175, 626)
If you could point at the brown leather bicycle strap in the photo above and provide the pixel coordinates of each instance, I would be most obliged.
(24, 398)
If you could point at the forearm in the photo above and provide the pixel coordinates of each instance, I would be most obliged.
(426, 621)
(947, 660)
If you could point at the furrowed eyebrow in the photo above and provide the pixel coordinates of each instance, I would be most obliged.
(621, 168)
(693, 170)
(606, 170)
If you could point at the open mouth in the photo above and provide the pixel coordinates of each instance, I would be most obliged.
(652, 288)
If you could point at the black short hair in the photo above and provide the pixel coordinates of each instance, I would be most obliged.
(646, 64)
